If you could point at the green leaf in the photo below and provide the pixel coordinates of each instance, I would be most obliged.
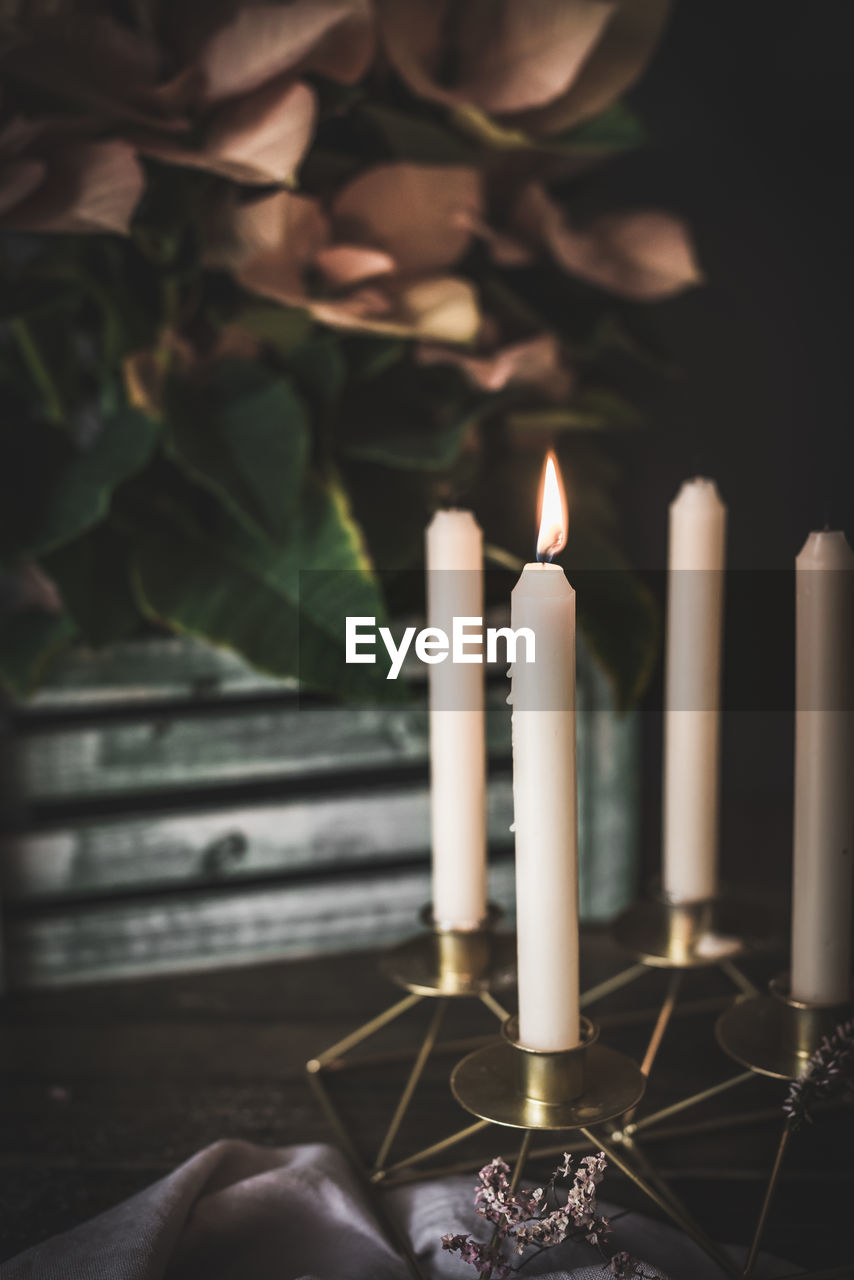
(243, 436)
(414, 138)
(592, 410)
(412, 420)
(23, 298)
(319, 369)
(485, 129)
(30, 641)
(283, 608)
(93, 576)
(39, 371)
(612, 333)
(516, 311)
(368, 358)
(616, 129)
(336, 99)
(392, 511)
(53, 490)
(282, 328)
(407, 448)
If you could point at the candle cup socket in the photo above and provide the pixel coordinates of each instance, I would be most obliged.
(692, 935)
(463, 956)
(809, 1023)
(446, 961)
(688, 922)
(776, 1035)
(551, 1078)
(520, 1088)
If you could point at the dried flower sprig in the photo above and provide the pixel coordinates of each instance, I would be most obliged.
(826, 1073)
(540, 1218)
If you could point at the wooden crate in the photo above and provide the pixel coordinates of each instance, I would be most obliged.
(171, 808)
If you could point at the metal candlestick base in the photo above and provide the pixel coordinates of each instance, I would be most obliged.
(520, 1088)
(440, 965)
(453, 963)
(691, 935)
(506, 1084)
(775, 1035)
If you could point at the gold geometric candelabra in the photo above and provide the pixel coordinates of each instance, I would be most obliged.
(670, 944)
(660, 935)
(504, 1083)
(591, 1090)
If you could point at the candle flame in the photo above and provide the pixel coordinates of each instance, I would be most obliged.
(553, 521)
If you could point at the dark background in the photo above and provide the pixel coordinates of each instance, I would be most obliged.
(749, 106)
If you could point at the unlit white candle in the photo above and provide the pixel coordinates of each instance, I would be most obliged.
(544, 802)
(692, 698)
(454, 547)
(824, 771)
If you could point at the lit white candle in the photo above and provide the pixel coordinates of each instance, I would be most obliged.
(692, 698)
(544, 791)
(824, 771)
(454, 546)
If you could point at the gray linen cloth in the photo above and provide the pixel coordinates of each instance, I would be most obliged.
(236, 1211)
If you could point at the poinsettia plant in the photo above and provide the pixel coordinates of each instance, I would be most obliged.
(280, 278)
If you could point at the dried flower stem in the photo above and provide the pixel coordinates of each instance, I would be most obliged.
(826, 1074)
(538, 1219)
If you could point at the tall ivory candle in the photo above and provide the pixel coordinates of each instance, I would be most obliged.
(692, 697)
(824, 771)
(454, 546)
(544, 798)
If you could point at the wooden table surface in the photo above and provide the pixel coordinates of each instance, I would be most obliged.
(105, 1089)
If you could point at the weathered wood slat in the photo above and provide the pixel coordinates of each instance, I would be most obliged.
(172, 933)
(179, 668)
(138, 671)
(166, 782)
(206, 847)
(190, 750)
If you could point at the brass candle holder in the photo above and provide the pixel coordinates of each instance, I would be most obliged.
(448, 963)
(775, 1035)
(692, 935)
(508, 1084)
(505, 1083)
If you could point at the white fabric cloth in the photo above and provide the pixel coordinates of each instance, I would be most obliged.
(236, 1211)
